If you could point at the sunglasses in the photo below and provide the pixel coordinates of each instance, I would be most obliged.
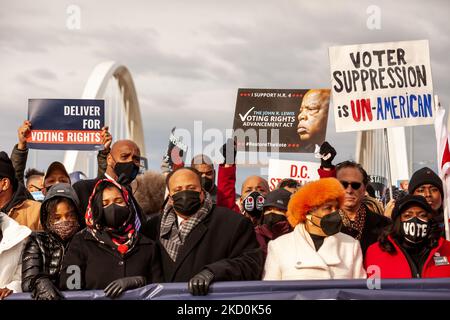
(354, 185)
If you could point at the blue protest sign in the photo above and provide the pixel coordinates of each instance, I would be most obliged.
(66, 124)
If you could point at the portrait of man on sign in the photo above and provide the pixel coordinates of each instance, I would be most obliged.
(313, 118)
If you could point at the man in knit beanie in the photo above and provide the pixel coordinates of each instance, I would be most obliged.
(426, 183)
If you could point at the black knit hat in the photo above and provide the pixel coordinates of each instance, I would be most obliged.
(7, 169)
(407, 201)
(425, 176)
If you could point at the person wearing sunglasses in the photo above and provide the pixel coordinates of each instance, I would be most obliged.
(359, 222)
(412, 246)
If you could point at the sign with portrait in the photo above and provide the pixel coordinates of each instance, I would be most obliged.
(281, 120)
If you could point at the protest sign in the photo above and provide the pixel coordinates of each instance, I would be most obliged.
(176, 152)
(301, 171)
(381, 85)
(65, 124)
(379, 185)
(280, 120)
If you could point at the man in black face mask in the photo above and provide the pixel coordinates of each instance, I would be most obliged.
(122, 166)
(201, 243)
(203, 164)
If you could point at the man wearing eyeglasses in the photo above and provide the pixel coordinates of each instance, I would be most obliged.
(358, 221)
(312, 119)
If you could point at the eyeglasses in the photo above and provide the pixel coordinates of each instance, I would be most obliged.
(354, 185)
(37, 188)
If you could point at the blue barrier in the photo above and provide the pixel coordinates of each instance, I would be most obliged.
(392, 289)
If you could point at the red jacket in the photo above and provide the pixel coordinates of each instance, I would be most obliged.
(396, 265)
(226, 188)
(326, 173)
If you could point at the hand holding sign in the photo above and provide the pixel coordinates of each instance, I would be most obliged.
(326, 154)
(23, 133)
(106, 138)
(229, 151)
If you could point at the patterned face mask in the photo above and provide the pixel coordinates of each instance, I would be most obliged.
(253, 204)
(415, 230)
(65, 229)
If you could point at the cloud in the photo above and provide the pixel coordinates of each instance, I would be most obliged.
(44, 74)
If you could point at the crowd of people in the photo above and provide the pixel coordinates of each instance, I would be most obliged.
(190, 225)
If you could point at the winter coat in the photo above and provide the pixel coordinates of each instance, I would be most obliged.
(26, 212)
(100, 265)
(224, 242)
(373, 226)
(11, 246)
(44, 251)
(437, 264)
(293, 257)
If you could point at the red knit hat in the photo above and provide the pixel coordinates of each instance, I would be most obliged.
(313, 195)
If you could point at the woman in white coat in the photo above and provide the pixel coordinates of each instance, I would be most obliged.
(315, 249)
(12, 240)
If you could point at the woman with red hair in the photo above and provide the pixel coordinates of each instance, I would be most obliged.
(315, 249)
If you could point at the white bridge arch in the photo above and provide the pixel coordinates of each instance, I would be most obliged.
(123, 115)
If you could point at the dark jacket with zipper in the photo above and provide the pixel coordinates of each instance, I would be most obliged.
(100, 264)
(44, 251)
(224, 243)
(41, 258)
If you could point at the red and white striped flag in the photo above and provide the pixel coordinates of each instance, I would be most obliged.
(443, 160)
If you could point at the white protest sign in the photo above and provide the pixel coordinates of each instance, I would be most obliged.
(300, 171)
(381, 85)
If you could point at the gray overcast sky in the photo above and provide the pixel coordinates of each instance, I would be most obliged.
(189, 57)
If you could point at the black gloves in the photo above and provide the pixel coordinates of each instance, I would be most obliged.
(115, 288)
(229, 151)
(328, 153)
(199, 284)
(44, 289)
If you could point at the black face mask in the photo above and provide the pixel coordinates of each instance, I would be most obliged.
(116, 216)
(330, 224)
(270, 219)
(126, 172)
(415, 230)
(207, 183)
(186, 202)
(253, 204)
